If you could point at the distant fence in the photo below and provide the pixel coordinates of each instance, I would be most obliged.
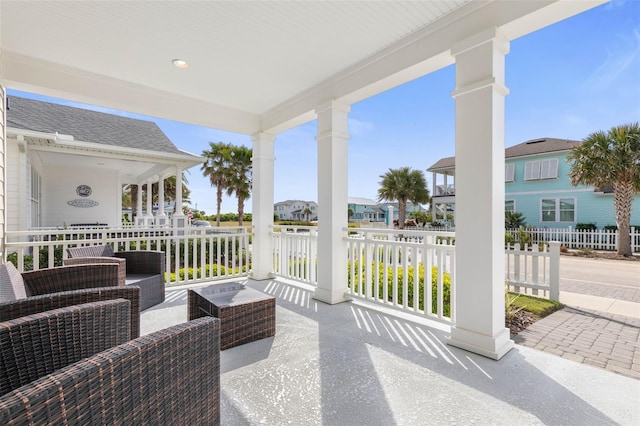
(597, 239)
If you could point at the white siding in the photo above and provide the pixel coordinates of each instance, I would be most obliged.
(59, 187)
(3, 177)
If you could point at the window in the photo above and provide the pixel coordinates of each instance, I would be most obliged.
(509, 172)
(541, 169)
(558, 209)
(509, 205)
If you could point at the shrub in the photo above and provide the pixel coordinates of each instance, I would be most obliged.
(513, 220)
(446, 286)
(586, 227)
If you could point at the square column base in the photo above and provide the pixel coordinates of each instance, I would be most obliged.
(261, 275)
(494, 347)
(330, 297)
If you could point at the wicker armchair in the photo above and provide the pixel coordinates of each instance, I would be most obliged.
(36, 345)
(168, 377)
(143, 268)
(47, 289)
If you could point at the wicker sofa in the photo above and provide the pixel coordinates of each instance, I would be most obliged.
(168, 377)
(143, 268)
(46, 289)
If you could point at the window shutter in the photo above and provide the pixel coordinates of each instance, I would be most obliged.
(509, 172)
(532, 170)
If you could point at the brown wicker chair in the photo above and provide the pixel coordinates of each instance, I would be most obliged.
(36, 345)
(143, 268)
(168, 377)
(52, 288)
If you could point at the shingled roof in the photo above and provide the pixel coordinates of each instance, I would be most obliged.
(87, 126)
(530, 147)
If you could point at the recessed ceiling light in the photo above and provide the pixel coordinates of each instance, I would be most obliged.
(180, 63)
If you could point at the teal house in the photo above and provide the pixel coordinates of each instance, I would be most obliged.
(537, 185)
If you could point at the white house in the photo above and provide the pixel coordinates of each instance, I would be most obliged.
(67, 166)
(289, 63)
(296, 210)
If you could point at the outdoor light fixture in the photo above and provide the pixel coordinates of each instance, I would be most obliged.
(180, 63)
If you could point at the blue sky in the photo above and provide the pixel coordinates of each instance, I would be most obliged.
(566, 81)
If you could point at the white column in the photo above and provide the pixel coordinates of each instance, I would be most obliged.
(479, 294)
(390, 217)
(262, 205)
(179, 219)
(139, 218)
(333, 137)
(149, 215)
(433, 192)
(161, 217)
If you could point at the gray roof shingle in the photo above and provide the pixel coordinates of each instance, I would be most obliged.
(530, 147)
(87, 126)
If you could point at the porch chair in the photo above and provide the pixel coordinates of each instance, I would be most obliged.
(82, 369)
(144, 268)
(46, 289)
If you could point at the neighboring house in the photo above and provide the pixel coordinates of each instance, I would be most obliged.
(67, 166)
(365, 210)
(296, 210)
(410, 209)
(537, 185)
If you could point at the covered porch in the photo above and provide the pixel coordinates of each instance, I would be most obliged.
(355, 364)
(260, 89)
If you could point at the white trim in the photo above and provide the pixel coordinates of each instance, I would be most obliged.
(514, 204)
(557, 210)
(554, 191)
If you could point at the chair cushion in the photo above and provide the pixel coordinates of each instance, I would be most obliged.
(91, 251)
(11, 283)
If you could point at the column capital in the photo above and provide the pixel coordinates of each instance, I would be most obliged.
(333, 105)
(489, 82)
(490, 35)
(263, 137)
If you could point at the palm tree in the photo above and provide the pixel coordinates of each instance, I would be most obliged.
(403, 184)
(216, 168)
(170, 189)
(239, 174)
(611, 158)
(307, 212)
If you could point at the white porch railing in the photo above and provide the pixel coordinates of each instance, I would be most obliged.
(294, 252)
(390, 267)
(413, 271)
(534, 271)
(597, 239)
(192, 254)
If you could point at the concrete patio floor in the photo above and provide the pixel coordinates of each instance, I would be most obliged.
(354, 364)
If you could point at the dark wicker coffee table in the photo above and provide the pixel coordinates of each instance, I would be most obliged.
(245, 314)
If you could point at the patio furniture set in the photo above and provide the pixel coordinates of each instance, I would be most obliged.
(71, 350)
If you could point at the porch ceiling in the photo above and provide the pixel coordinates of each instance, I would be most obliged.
(134, 166)
(254, 65)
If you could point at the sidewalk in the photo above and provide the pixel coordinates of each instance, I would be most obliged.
(598, 331)
(601, 304)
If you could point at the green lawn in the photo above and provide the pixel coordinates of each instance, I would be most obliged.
(535, 305)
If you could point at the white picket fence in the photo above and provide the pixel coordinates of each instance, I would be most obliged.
(534, 269)
(598, 239)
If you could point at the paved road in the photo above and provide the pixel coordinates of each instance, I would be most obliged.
(615, 279)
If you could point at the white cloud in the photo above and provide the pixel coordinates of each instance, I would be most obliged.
(359, 127)
(620, 58)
